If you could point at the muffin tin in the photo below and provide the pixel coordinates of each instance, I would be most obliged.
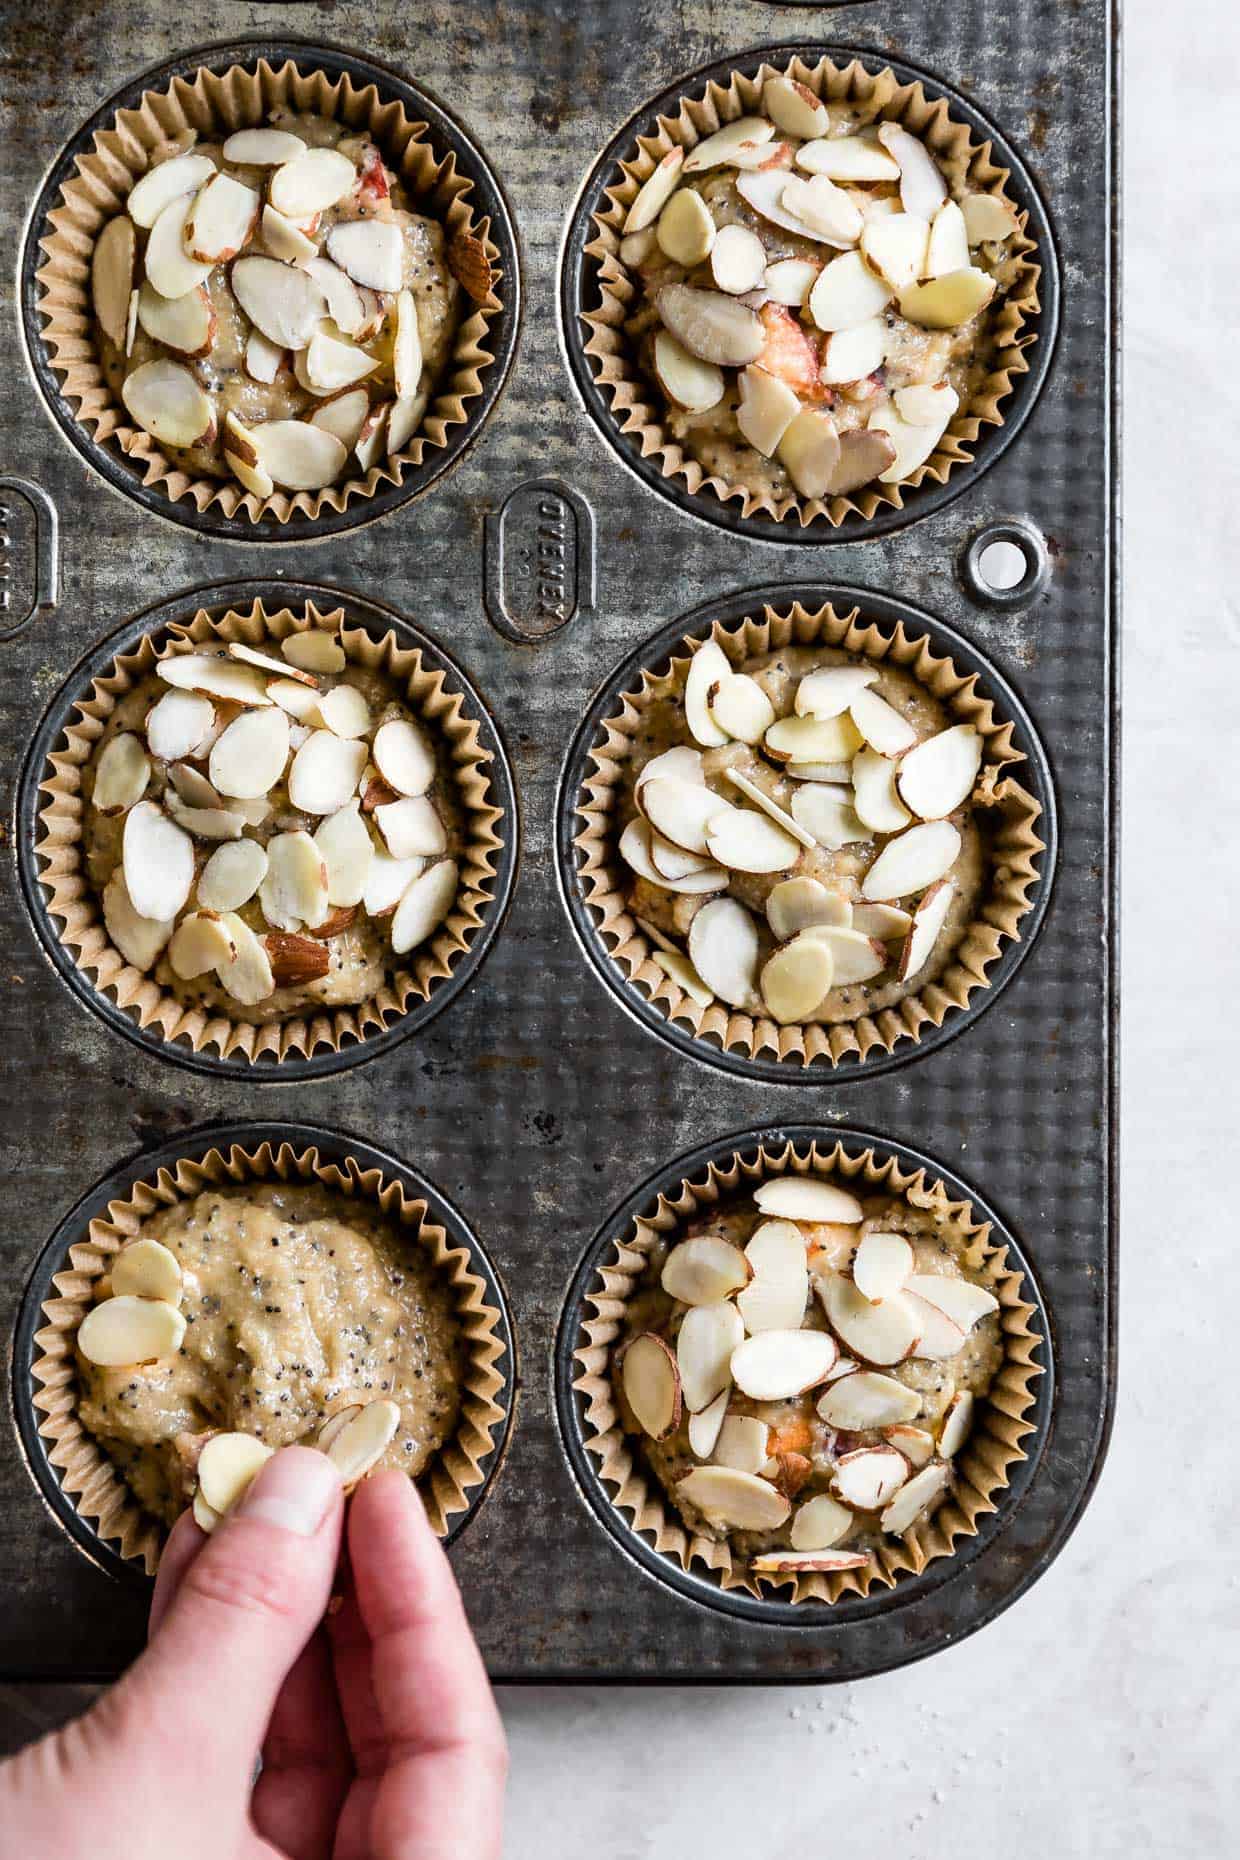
(534, 1102)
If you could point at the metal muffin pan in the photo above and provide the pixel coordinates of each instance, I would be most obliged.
(336, 1147)
(1033, 773)
(579, 291)
(536, 1102)
(700, 1585)
(218, 599)
(445, 134)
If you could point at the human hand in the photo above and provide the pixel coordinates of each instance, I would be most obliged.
(378, 1732)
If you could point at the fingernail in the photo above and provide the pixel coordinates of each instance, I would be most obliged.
(294, 1491)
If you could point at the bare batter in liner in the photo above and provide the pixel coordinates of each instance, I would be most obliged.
(326, 980)
(385, 1298)
(440, 308)
(962, 1462)
(799, 431)
(718, 931)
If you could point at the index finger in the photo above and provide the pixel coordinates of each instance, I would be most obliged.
(446, 1755)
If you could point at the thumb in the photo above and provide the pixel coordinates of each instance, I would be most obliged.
(245, 1608)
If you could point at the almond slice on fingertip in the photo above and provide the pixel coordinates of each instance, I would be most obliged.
(124, 1331)
(121, 774)
(723, 948)
(227, 1466)
(911, 1501)
(651, 1384)
(739, 1499)
(912, 861)
(363, 1441)
(424, 906)
(206, 1517)
(336, 1423)
(147, 1269)
(704, 1271)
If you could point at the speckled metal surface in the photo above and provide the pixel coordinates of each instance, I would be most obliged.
(520, 1101)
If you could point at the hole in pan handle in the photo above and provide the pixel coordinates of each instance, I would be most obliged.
(1005, 564)
(29, 554)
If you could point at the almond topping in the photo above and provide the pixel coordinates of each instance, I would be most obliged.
(124, 1331)
(652, 1385)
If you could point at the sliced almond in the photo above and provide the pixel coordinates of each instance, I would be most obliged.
(957, 1423)
(221, 219)
(636, 849)
(131, 321)
(870, 1477)
(347, 851)
(796, 979)
(852, 354)
(895, 247)
(914, 1443)
(248, 977)
(827, 693)
(711, 325)
(424, 906)
(333, 364)
(829, 213)
(294, 888)
(776, 1250)
(939, 1336)
(336, 1423)
(403, 420)
(808, 1562)
(865, 1400)
(139, 939)
(232, 875)
(882, 726)
(679, 762)
(707, 1338)
(681, 971)
(704, 1271)
(167, 181)
(848, 158)
(723, 948)
(125, 1331)
(847, 294)
(794, 108)
(742, 1443)
(206, 1517)
(206, 823)
(950, 301)
(772, 1305)
(285, 239)
(147, 1269)
(691, 383)
(775, 1365)
(655, 192)
(407, 347)
(248, 757)
(746, 841)
(807, 1198)
(864, 455)
(771, 809)
(882, 1264)
(158, 860)
(267, 662)
(912, 1500)
(186, 324)
(886, 922)
(682, 811)
(738, 1499)
(297, 455)
(706, 1425)
(636, 248)
(854, 958)
(948, 246)
(912, 861)
(297, 960)
(372, 440)
(924, 930)
(262, 148)
(313, 650)
(922, 187)
(787, 281)
(882, 1334)
(200, 943)
(652, 1385)
(987, 218)
(167, 402)
(938, 775)
(716, 150)
(121, 773)
(371, 251)
(411, 828)
(708, 667)
(827, 812)
(959, 1299)
(111, 277)
(283, 301)
(767, 409)
(874, 793)
(227, 1467)
(673, 861)
(311, 182)
(797, 904)
(912, 444)
(387, 881)
(359, 1446)
(819, 1523)
(686, 230)
(737, 257)
(345, 711)
(403, 755)
(169, 268)
(809, 451)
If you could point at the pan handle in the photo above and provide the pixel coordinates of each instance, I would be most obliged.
(44, 553)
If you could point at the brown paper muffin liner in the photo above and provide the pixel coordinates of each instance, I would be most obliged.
(73, 899)
(634, 401)
(92, 1480)
(983, 1466)
(220, 102)
(1014, 845)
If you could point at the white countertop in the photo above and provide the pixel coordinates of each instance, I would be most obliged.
(1096, 1718)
